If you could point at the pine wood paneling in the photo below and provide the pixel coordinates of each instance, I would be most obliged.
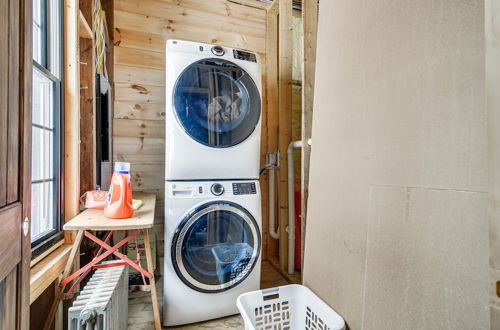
(145, 159)
(173, 28)
(143, 128)
(139, 110)
(135, 75)
(141, 93)
(141, 30)
(223, 9)
(140, 58)
(138, 146)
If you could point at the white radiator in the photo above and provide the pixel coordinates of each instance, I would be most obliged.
(103, 303)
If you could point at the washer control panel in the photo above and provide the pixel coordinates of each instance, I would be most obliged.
(244, 188)
(211, 189)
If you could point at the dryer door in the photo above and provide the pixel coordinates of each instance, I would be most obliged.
(216, 246)
(217, 103)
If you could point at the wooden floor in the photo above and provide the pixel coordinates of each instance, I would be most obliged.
(140, 312)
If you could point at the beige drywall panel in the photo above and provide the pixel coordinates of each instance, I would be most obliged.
(415, 238)
(492, 32)
(399, 165)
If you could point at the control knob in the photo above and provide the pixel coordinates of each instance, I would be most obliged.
(217, 189)
(218, 50)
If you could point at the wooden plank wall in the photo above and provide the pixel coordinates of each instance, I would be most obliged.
(141, 29)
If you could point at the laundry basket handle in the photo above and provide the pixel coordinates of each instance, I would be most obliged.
(270, 294)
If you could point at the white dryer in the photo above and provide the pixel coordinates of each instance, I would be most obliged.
(213, 112)
(212, 248)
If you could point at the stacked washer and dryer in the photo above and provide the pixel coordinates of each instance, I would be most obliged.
(212, 202)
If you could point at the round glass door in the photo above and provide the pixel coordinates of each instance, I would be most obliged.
(216, 247)
(217, 103)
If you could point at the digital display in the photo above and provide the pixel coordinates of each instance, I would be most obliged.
(244, 188)
(242, 55)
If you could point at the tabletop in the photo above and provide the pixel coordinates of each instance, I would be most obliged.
(93, 219)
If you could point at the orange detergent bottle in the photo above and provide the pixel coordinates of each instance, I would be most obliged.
(119, 199)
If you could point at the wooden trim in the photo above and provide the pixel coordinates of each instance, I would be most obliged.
(71, 114)
(152, 283)
(46, 253)
(284, 118)
(87, 116)
(272, 101)
(13, 143)
(273, 7)
(47, 271)
(252, 3)
(4, 100)
(25, 80)
(294, 278)
(84, 30)
(310, 30)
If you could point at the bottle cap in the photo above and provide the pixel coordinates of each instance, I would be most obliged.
(121, 167)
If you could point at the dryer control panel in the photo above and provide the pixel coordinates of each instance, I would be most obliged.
(244, 188)
(242, 55)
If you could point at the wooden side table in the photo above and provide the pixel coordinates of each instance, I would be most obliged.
(94, 220)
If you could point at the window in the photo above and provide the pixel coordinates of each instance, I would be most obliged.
(46, 187)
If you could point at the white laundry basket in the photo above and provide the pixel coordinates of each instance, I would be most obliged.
(289, 307)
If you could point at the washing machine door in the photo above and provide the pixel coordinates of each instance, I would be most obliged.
(217, 103)
(216, 247)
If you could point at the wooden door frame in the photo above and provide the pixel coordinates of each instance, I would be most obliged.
(26, 72)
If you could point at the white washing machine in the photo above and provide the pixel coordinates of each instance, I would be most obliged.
(212, 248)
(213, 111)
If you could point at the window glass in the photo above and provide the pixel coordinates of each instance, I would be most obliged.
(217, 247)
(217, 103)
(43, 168)
(54, 39)
(42, 209)
(46, 212)
(38, 33)
(43, 102)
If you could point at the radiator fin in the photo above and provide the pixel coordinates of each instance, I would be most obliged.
(103, 303)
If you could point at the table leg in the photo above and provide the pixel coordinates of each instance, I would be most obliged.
(152, 283)
(67, 269)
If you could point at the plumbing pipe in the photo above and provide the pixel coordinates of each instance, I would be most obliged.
(274, 233)
(291, 206)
